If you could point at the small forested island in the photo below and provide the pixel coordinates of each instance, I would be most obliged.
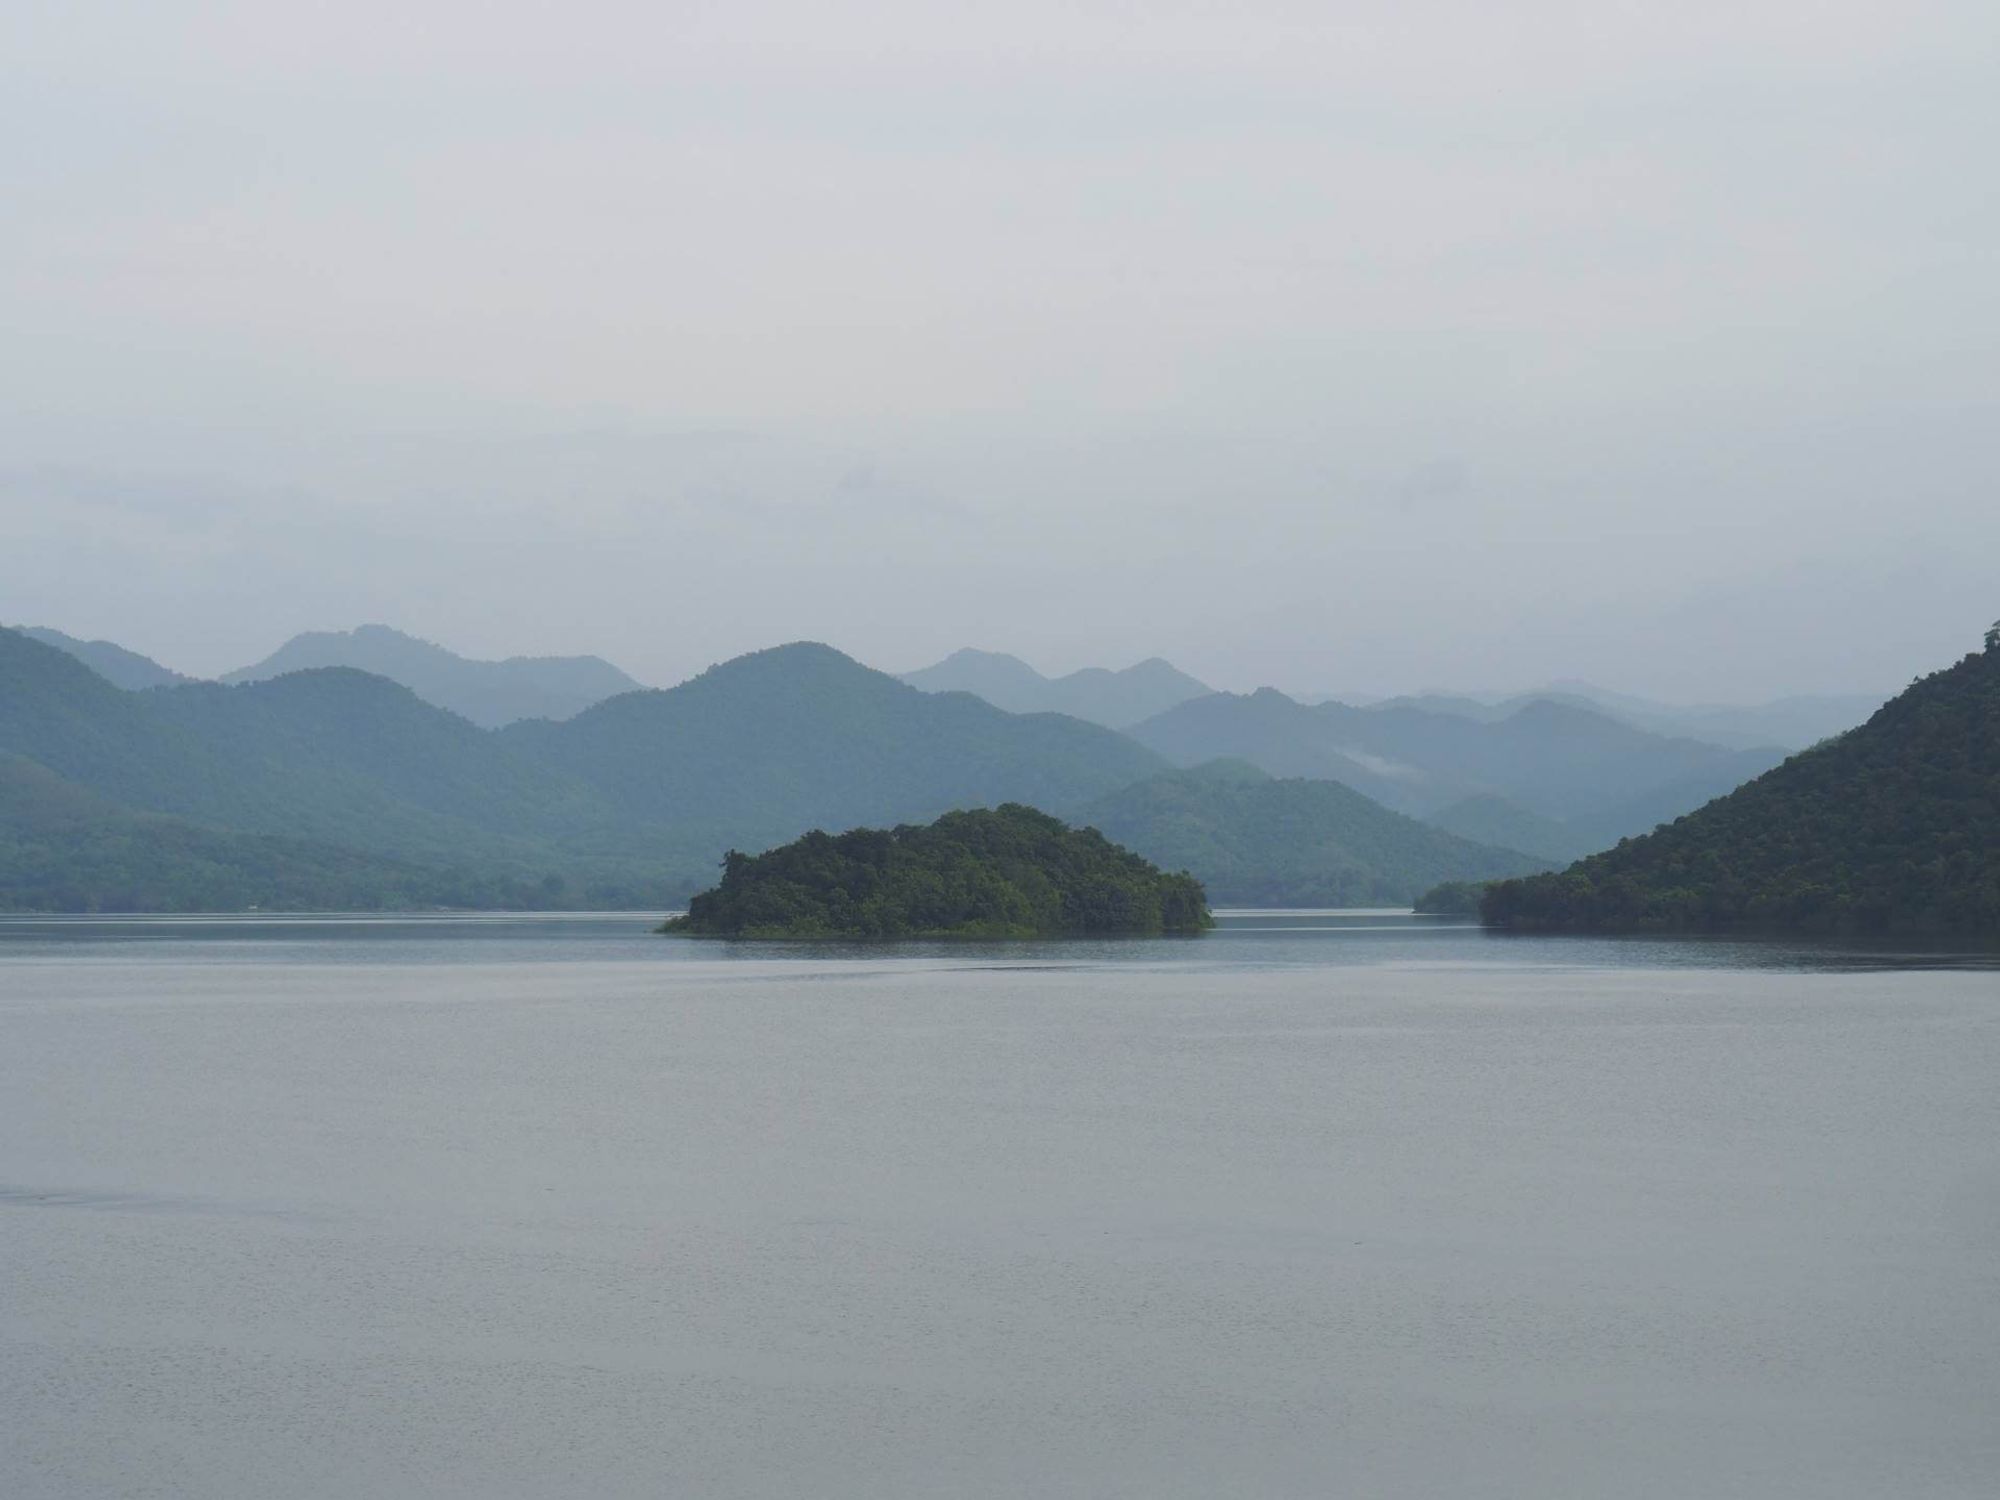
(1891, 827)
(1005, 872)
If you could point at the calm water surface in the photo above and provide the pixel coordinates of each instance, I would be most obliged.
(1320, 1204)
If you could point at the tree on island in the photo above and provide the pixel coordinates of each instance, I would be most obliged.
(1007, 872)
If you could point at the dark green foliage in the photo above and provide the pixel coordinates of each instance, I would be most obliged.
(1453, 898)
(1256, 841)
(1894, 826)
(1008, 872)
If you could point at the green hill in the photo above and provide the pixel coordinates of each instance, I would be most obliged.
(1008, 872)
(1894, 826)
(759, 749)
(332, 755)
(632, 802)
(64, 848)
(1254, 840)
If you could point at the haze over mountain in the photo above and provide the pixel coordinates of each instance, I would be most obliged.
(632, 801)
(1254, 840)
(1790, 723)
(112, 662)
(1894, 826)
(1118, 699)
(759, 749)
(1573, 766)
(489, 693)
(333, 784)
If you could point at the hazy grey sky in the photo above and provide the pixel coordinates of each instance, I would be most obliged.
(1364, 347)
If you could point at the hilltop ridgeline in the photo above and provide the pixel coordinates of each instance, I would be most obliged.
(1007, 872)
(629, 804)
(109, 660)
(1257, 840)
(489, 693)
(1550, 778)
(387, 800)
(1115, 699)
(1891, 827)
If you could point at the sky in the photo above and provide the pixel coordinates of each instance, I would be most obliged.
(1357, 348)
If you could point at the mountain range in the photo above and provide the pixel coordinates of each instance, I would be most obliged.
(1116, 699)
(633, 801)
(1257, 840)
(489, 693)
(634, 798)
(1556, 779)
(1790, 723)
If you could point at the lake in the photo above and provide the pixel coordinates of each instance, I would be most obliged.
(1318, 1204)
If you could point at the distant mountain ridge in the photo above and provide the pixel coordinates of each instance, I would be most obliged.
(1554, 762)
(112, 662)
(1115, 699)
(1790, 723)
(489, 693)
(634, 800)
(1256, 840)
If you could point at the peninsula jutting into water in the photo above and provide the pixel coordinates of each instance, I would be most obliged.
(1007, 872)
(1891, 827)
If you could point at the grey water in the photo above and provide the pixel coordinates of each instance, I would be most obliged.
(1318, 1204)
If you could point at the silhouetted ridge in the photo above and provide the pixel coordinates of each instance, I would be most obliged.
(489, 693)
(116, 665)
(1114, 699)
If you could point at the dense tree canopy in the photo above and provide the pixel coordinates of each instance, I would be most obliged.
(1001, 873)
(1894, 826)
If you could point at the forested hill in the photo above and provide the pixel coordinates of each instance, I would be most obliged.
(1008, 872)
(1894, 826)
(632, 802)
(760, 748)
(1255, 840)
